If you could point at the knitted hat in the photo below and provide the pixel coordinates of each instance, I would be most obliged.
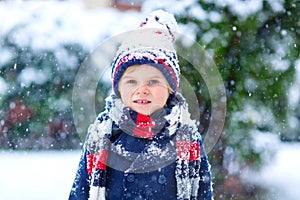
(151, 43)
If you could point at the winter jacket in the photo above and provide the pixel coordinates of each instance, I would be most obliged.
(157, 184)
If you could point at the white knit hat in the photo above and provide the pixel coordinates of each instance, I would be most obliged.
(151, 43)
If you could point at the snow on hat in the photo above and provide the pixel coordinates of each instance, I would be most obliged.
(151, 43)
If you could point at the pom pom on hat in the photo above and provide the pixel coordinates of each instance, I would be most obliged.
(151, 43)
(162, 20)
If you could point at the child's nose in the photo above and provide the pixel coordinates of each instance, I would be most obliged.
(143, 89)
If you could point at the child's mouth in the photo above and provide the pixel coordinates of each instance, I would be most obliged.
(142, 101)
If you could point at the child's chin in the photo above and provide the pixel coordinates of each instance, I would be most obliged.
(144, 112)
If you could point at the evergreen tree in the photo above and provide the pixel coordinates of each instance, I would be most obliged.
(36, 111)
(256, 52)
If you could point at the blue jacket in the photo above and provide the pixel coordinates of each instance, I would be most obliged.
(157, 184)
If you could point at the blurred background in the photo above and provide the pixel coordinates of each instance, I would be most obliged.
(255, 45)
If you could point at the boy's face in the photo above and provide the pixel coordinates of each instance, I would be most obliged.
(144, 89)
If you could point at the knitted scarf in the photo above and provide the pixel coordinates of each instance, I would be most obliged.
(172, 121)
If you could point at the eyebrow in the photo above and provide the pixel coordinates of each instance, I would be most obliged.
(129, 76)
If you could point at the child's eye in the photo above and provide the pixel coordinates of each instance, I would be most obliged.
(131, 81)
(153, 82)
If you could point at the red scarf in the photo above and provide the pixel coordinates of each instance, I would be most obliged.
(144, 126)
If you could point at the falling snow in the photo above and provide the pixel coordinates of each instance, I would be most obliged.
(51, 26)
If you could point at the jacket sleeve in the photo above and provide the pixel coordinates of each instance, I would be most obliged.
(81, 186)
(205, 188)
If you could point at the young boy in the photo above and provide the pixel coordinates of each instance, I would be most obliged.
(144, 145)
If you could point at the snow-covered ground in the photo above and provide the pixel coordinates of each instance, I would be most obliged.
(37, 175)
(281, 175)
(49, 175)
